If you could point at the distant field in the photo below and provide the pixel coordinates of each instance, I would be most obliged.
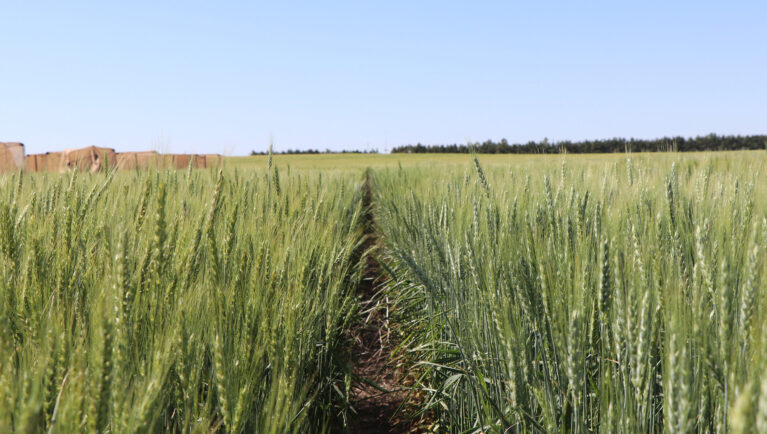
(362, 161)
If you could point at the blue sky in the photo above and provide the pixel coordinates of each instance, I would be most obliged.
(226, 76)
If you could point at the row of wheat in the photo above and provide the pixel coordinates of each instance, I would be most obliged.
(583, 294)
(187, 302)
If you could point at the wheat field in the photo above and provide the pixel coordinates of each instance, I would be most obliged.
(559, 293)
(166, 301)
(613, 294)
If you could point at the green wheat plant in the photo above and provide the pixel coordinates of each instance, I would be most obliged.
(529, 294)
(189, 301)
(584, 295)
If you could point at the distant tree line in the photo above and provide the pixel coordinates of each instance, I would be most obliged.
(313, 151)
(711, 142)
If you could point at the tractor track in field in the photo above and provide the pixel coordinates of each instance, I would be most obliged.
(377, 392)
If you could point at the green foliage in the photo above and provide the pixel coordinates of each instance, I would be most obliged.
(710, 142)
(584, 295)
(527, 294)
(175, 301)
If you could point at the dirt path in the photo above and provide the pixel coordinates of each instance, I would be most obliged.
(376, 407)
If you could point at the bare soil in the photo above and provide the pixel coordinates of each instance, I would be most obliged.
(378, 393)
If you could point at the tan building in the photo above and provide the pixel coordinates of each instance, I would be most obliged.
(94, 159)
(138, 160)
(89, 159)
(48, 162)
(11, 156)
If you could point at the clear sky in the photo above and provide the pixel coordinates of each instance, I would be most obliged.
(208, 76)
